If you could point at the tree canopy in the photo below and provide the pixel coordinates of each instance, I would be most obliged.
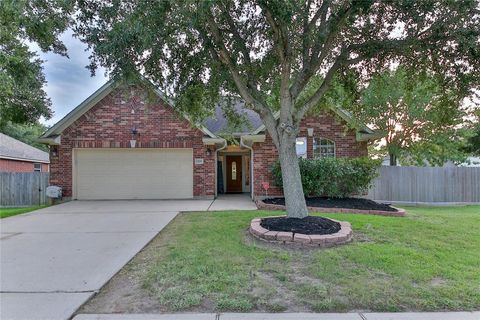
(269, 52)
(22, 97)
(421, 119)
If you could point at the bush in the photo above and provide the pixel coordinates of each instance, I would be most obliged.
(332, 177)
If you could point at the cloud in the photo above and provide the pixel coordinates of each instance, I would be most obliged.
(68, 81)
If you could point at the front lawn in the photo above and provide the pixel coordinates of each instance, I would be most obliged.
(8, 212)
(429, 261)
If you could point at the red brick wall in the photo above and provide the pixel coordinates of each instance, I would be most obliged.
(19, 166)
(326, 125)
(109, 123)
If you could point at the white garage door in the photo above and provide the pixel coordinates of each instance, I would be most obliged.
(133, 174)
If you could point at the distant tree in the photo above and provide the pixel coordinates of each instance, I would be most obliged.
(438, 149)
(418, 116)
(269, 52)
(473, 141)
(27, 133)
(22, 98)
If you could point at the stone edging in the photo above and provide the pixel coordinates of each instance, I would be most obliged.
(344, 235)
(400, 213)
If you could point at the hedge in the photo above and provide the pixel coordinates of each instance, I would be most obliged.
(333, 177)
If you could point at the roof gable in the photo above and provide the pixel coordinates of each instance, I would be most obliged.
(91, 102)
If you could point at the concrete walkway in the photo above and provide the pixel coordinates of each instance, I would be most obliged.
(288, 316)
(52, 260)
(241, 201)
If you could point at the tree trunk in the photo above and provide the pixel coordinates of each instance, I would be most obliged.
(393, 159)
(292, 181)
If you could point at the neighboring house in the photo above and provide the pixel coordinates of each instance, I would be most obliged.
(121, 144)
(16, 156)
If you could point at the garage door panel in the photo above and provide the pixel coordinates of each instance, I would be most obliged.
(133, 173)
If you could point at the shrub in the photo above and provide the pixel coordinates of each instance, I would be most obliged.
(333, 177)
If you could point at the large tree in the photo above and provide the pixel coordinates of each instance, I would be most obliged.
(268, 51)
(421, 119)
(22, 97)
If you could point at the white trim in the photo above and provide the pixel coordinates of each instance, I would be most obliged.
(55, 141)
(253, 138)
(24, 159)
(212, 141)
(216, 160)
(252, 176)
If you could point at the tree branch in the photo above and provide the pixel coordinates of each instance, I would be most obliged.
(249, 94)
(280, 33)
(341, 61)
(321, 48)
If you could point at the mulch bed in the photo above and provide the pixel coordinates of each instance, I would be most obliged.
(346, 203)
(308, 225)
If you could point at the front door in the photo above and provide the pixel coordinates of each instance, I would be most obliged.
(234, 174)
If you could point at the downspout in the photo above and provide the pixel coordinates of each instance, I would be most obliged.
(225, 143)
(252, 182)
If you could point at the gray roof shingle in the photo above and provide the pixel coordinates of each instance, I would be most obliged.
(12, 148)
(219, 122)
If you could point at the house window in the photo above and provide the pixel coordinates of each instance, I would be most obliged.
(37, 167)
(301, 147)
(323, 148)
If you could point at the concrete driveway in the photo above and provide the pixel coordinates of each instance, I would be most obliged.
(54, 259)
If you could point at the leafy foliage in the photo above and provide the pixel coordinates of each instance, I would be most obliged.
(420, 117)
(22, 98)
(333, 177)
(277, 53)
(473, 141)
(279, 56)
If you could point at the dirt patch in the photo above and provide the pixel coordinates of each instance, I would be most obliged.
(308, 225)
(345, 203)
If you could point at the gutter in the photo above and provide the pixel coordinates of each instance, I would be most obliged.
(53, 140)
(25, 159)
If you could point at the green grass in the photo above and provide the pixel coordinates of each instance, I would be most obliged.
(8, 212)
(428, 261)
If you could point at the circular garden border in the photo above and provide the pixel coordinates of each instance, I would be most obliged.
(344, 235)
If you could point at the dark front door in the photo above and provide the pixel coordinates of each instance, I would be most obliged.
(234, 174)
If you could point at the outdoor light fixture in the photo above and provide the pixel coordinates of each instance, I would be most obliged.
(310, 132)
(133, 142)
(54, 150)
(209, 152)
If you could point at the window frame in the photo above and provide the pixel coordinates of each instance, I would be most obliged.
(35, 169)
(305, 142)
(318, 145)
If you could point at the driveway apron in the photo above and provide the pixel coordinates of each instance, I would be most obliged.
(54, 259)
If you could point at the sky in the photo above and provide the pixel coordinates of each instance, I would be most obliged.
(68, 81)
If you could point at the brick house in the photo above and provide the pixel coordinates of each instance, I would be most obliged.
(121, 143)
(16, 156)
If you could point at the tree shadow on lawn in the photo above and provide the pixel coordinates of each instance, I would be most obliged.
(204, 262)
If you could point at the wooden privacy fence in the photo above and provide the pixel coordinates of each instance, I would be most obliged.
(427, 184)
(19, 189)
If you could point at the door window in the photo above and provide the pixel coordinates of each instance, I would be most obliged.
(234, 170)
